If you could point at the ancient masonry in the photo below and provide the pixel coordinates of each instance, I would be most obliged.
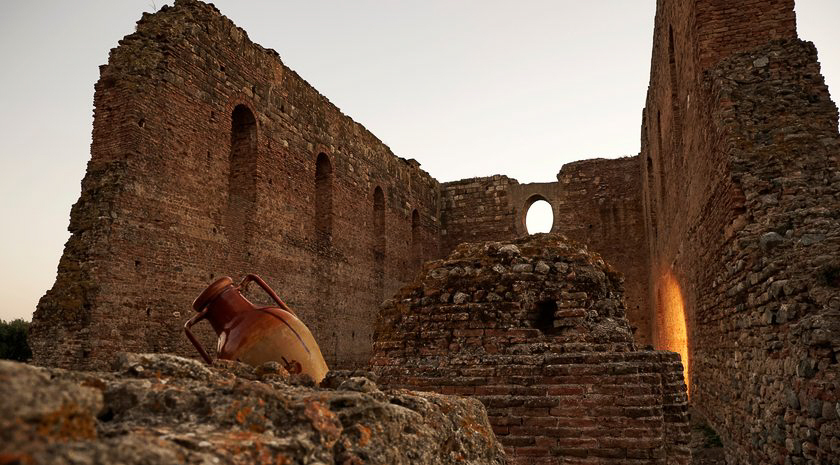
(536, 329)
(211, 157)
(166, 410)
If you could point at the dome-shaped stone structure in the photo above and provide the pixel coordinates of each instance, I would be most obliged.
(536, 329)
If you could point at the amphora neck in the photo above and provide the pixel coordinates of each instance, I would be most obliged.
(223, 302)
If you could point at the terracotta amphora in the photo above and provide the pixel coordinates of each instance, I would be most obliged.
(256, 335)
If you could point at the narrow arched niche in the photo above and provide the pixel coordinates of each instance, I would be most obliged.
(546, 310)
(323, 198)
(379, 241)
(538, 216)
(242, 190)
(416, 239)
(676, 113)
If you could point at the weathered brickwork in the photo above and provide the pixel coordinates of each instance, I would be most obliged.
(476, 209)
(600, 205)
(740, 153)
(536, 330)
(596, 202)
(210, 157)
(768, 319)
(204, 163)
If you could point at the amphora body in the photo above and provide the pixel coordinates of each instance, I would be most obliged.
(256, 335)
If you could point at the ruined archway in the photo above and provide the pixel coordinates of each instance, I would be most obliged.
(242, 188)
(323, 199)
(538, 215)
(378, 220)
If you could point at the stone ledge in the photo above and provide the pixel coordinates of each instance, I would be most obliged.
(155, 408)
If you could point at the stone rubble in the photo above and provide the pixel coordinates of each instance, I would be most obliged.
(164, 409)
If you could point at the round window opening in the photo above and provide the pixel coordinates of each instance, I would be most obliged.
(539, 217)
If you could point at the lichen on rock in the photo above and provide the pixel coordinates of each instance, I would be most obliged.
(156, 408)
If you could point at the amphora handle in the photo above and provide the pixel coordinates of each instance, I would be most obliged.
(198, 346)
(202, 306)
(252, 277)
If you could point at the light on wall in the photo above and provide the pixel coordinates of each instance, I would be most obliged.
(671, 323)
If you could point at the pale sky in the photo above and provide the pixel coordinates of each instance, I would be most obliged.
(468, 88)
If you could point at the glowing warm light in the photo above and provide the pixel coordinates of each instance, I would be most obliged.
(672, 332)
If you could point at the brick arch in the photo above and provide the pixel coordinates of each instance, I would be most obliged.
(379, 242)
(242, 184)
(533, 198)
(324, 179)
(416, 239)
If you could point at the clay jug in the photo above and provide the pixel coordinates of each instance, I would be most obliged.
(256, 335)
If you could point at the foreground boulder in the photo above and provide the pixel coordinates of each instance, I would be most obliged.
(158, 409)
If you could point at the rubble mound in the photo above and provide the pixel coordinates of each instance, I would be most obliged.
(160, 409)
(551, 289)
(536, 330)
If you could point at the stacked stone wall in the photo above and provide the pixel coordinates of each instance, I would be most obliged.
(768, 318)
(600, 205)
(536, 330)
(596, 202)
(210, 157)
(476, 209)
(739, 155)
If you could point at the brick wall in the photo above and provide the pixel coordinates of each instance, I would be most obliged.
(600, 205)
(739, 155)
(476, 209)
(536, 330)
(203, 164)
(210, 157)
(596, 202)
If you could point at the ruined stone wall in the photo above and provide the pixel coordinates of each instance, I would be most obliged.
(476, 209)
(536, 330)
(596, 202)
(740, 155)
(724, 27)
(772, 316)
(210, 158)
(600, 205)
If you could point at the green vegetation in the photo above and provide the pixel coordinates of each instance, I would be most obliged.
(13, 345)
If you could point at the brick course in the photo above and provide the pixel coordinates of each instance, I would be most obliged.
(557, 385)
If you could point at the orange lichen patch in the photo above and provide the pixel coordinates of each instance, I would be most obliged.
(281, 459)
(323, 420)
(246, 447)
(251, 419)
(474, 427)
(16, 459)
(673, 333)
(242, 415)
(69, 422)
(362, 434)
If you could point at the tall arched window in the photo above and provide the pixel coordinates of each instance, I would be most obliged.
(416, 240)
(323, 198)
(242, 190)
(675, 92)
(379, 240)
(651, 195)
